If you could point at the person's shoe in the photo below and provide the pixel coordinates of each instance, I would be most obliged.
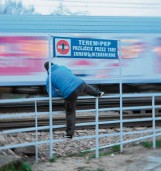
(68, 136)
(101, 94)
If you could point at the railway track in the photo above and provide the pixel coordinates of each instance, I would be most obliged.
(30, 122)
(81, 104)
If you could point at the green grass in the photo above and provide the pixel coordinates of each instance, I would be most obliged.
(113, 149)
(53, 159)
(18, 166)
(100, 169)
(150, 144)
(116, 148)
(90, 169)
(91, 154)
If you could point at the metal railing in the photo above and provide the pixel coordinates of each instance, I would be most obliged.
(152, 133)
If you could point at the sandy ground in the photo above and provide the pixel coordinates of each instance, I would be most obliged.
(132, 159)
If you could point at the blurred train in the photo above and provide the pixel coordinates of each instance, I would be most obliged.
(24, 47)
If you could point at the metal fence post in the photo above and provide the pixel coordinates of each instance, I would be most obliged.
(50, 99)
(36, 136)
(97, 129)
(154, 124)
(120, 89)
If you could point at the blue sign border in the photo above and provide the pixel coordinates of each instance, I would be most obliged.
(85, 48)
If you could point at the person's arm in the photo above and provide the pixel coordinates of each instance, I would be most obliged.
(55, 92)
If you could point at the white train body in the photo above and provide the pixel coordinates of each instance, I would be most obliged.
(24, 47)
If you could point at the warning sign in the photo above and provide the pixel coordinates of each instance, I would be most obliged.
(62, 47)
(69, 47)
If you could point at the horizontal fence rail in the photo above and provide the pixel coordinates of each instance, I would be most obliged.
(152, 133)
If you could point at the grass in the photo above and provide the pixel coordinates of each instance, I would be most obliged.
(91, 154)
(100, 169)
(18, 166)
(53, 159)
(90, 169)
(116, 148)
(150, 144)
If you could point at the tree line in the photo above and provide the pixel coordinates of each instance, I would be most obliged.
(13, 7)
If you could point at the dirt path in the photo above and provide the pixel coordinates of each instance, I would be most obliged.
(133, 159)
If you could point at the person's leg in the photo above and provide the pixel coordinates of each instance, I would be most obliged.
(70, 105)
(92, 91)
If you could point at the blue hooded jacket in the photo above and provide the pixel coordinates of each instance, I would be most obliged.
(63, 80)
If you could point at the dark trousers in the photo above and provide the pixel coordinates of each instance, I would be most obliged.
(70, 105)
